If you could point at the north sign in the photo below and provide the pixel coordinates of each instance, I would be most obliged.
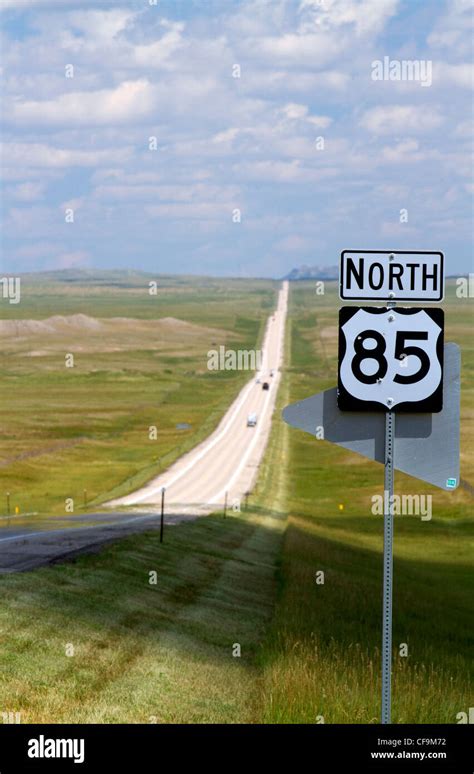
(382, 275)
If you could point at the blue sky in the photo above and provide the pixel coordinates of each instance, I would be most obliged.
(224, 143)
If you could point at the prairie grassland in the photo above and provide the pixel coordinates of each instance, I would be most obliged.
(92, 641)
(164, 652)
(322, 653)
(139, 361)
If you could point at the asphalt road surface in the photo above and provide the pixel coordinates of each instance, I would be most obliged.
(223, 466)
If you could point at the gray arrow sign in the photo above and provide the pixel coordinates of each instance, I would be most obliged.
(426, 445)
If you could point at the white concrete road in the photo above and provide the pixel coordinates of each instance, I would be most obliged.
(227, 461)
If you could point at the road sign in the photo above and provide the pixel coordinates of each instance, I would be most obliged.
(391, 362)
(426, 445)
(382, 275)
(390, 359)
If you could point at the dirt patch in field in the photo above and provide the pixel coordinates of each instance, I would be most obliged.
(50, 326)
(82, 333)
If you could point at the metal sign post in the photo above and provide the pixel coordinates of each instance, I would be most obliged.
(388, 568)
(162, 512)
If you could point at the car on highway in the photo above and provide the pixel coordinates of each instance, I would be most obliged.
(265, 386)
(251, 420)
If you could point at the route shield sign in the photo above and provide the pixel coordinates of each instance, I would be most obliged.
(381, 275)
(390, 359)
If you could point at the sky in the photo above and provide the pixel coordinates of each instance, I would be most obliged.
(273, 141)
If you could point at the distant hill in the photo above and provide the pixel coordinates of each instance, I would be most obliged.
(313, 272)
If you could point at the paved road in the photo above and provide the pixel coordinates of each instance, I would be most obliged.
(227, 461)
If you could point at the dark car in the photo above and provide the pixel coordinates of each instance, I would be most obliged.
(265, 386)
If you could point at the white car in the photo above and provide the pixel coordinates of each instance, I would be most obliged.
(251, 420)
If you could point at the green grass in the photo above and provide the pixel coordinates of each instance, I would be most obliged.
(322, 652)
(164, 653)
(143, 653)
(66, 430)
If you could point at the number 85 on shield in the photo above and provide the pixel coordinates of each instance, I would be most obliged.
(390, 359)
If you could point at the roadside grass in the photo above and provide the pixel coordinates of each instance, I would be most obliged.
(321, 657)
(83, 432)
(144, 653)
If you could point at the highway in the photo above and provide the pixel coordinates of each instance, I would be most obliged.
(224, 465)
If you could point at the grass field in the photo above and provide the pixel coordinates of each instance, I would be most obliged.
(322, 654)
(143, 653)
(308, 652)
(139, 361)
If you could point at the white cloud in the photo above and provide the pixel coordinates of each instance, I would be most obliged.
(320, 122)
(130, 101)
(400, 151)
(28, 191)
(333, 79)
(458, 74)
(157, 53)
(292, 82)
(100, 26)
(396, 119)
(365, 16)
(38, 155)
(325, 28)
(226, 136)
(454, 28)
(407, 152)
(194, 211)
(73, 204)
(297, 49)
(24, 5)
(294, 110)
(185, 192)
(284, 172)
